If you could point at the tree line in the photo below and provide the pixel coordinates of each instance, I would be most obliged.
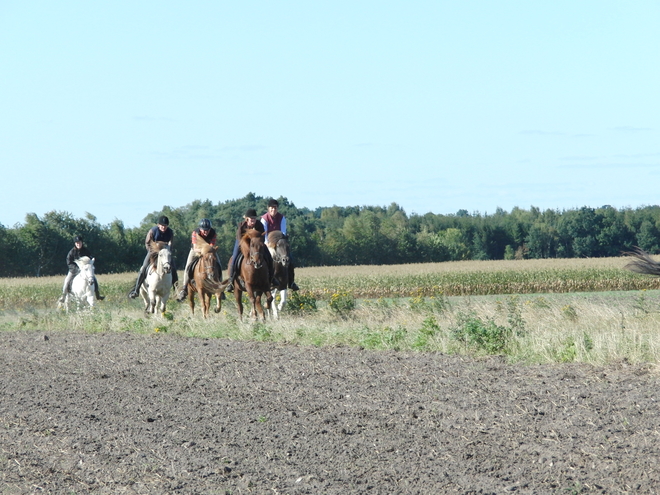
(341, 235)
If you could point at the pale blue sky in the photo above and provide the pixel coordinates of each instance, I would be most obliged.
(118, 108)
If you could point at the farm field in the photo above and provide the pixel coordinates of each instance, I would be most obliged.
(354, 390)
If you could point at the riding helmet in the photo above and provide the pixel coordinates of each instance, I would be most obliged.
(205, 224)
(78, 238)
(251, 213)
(163, 220)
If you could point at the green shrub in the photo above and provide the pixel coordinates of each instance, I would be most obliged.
(484, 335)
(301, 303)
(342, 302)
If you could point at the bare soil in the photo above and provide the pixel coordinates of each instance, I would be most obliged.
(127, 413)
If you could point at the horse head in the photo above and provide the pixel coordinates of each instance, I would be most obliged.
(86, 266)
(252, 245)
(279, 247)
(165, 260)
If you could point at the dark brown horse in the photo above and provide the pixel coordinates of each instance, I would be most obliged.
(253, 276)
(206, 279)
(279, 249)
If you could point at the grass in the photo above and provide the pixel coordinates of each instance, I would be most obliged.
(405, 307)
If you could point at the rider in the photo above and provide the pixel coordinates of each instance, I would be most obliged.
(274, 220)
(206, 232)
(77, 251)
(249, 222)
(160, 233)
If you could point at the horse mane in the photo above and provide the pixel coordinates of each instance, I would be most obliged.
(157, 246)
(84, 260)
(204, 247)
(274, 237)
(247, 239)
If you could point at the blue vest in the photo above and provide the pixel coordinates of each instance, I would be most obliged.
(159, 236)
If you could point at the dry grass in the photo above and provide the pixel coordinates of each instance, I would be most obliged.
(556, 326)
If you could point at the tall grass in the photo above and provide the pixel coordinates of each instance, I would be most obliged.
(406, 307)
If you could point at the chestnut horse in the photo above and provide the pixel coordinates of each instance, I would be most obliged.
(206, 279)
(279, 249)
(253, 276)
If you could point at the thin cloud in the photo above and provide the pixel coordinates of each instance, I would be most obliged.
(629, 128)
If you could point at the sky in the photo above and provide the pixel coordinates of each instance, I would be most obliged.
(119, 108)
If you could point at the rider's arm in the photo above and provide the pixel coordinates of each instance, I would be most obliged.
(149, 238)
(265, 224)
(70, 260)
(283, 225)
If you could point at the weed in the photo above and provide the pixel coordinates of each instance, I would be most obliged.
(301, 303)
(481, 334)
(342, 303)
(569, 312)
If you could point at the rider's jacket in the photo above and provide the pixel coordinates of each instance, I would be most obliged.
(76, 254)
(278, 222)
(210, 238)
(243, 228)
(156, 235)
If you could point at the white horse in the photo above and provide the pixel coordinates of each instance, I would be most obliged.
(155, 290)
(82, 285)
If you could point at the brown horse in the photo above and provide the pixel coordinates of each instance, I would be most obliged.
(279, 249)
(206, 279)
(253, 276)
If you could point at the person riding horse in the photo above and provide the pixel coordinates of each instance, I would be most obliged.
(206, 232)
(274, 220)
(160, 233)
(78, 251)
(249, 222)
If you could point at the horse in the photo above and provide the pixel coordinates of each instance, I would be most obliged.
(253, 276)
(206, 279)
(82, 285)
(155, 290)
(278, 245)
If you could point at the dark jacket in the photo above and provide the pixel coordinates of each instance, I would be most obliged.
(243, 228)
(76, 254)
(156, 235)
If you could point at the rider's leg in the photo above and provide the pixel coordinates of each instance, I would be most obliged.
(96, 290)
(271, 267)
(66, 287)
(186, 277)
(232, 268)
(292, 284)
(142, 274)
(175, 275)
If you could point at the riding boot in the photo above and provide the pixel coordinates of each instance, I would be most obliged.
(99, 297)
(292, 285)
(183, 293)
(136, 290)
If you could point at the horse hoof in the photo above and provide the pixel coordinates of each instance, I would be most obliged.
(216, 310)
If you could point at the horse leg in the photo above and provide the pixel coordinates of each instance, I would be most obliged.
(283, 297)
(206, 303)
(191, 300)
(238, 294)
(269, 302)
(218, 302)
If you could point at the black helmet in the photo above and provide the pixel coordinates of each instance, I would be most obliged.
(250, 213)
(78, 238)
(205, 224)
(163, 220)
(273, 202)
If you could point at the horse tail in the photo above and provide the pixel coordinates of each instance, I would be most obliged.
(642, 263)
